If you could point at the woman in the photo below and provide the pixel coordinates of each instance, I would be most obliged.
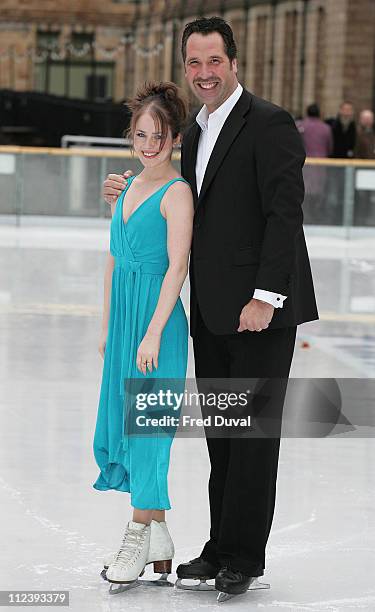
(145, 330)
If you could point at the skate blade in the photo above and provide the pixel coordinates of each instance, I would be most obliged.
(254, 586)
(224, 597)
(162, 581)
(258, 585)
(201, 586)
(121, 587)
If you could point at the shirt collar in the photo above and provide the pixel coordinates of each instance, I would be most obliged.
(222, 112)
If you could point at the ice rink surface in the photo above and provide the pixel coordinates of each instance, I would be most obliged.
(55, 528)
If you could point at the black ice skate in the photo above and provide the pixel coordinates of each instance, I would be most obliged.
(196, 569)
(231, 582)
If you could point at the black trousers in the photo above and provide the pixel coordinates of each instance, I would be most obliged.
(242, 483)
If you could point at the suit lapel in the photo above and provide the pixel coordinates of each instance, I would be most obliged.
(229, 131)
(231, 128)
(191, 139)
(192, 157)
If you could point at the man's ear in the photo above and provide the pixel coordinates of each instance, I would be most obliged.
(235, 65)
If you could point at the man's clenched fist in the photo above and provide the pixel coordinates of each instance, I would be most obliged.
(255, 316)
(114, 184)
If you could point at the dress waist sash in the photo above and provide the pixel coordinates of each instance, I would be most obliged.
(143, 267)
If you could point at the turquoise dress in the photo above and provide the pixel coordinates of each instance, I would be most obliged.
(137, 463)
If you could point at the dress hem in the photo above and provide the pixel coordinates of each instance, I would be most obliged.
(138, 506)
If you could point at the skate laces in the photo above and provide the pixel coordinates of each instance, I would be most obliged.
(131, 547)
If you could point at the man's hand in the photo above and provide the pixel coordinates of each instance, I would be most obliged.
(114, 184)
(255, 316)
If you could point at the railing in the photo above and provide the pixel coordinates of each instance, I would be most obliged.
(68, 182)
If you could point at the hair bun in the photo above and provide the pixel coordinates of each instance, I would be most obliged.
(167, 98)
(167, 89)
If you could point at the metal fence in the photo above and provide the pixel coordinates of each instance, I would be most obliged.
(68, 183)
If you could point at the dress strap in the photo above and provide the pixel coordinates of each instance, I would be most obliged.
(178, 178)
(174, 180)
(129, 182)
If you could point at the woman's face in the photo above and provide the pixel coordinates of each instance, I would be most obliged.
(147, 142)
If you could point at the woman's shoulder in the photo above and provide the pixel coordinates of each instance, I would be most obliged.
(179, 185)
(178, 190)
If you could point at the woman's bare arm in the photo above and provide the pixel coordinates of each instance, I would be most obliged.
(179, 212)
(108, 283)
(177, 205)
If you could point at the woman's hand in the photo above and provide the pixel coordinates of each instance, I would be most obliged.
(103, 342)
(114, 184)
(148, 352)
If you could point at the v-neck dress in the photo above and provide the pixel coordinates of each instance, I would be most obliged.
(137, 463)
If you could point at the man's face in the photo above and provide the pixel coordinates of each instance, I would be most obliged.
(366, 119)
(208, 70)
(346, 113)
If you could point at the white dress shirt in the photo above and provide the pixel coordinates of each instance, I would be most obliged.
(211, 124)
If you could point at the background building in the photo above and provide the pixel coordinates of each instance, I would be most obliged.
(292, 52)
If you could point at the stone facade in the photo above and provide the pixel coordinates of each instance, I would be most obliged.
(292, 52)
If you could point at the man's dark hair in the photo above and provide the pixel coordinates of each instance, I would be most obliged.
(207, 25)
(346, 102)
(313, 110)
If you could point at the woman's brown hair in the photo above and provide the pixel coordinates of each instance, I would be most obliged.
(165, 102)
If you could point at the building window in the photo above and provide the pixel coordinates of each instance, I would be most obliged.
(72, 72)
(47, 43)
(47, 39)
(97, 86)
(82, 45)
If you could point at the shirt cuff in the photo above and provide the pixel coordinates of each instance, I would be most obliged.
(276, 299)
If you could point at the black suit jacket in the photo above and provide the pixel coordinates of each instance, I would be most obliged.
(248, 218)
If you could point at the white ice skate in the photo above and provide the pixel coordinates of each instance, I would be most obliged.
(131, 558)
(161, 553)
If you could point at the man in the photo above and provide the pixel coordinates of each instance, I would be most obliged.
(364, 199)
(365, 143)
(343, 131)
(250, 282)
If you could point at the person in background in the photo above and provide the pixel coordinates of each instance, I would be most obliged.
(318, 141)
(365, 140)
(364, 199)
(316, 134)
(343, 131)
